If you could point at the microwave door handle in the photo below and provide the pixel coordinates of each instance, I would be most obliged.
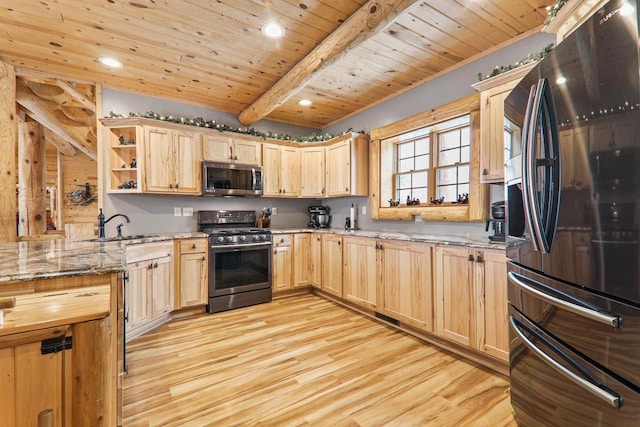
(529, 129)
(254, 179)
(613, 399)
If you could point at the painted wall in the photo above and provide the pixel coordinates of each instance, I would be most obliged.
(156, 213)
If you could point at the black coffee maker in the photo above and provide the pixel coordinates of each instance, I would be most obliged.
(497, 222)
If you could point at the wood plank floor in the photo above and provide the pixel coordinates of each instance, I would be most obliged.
(303, 361)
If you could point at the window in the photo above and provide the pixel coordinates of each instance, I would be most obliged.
(445, 175)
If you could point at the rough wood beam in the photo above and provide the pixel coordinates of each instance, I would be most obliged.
(44, 112)
(370, 19)
(72, 92)
(63, 146)
(8, 144)
(32, 173)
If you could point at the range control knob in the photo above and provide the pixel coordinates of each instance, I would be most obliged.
(256, 237)
(229, 239)
(263, 237)
(220, 239)
(243, 238)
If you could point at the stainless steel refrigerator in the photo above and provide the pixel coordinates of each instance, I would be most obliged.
(572, 128)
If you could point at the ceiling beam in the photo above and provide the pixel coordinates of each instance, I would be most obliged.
(61, 145)
(44, 112)
(372, 18)
(72, 92)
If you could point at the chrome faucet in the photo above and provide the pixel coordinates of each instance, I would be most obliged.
(102, 222)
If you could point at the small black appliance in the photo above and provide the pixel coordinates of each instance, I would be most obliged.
(319, 216)
(497, 222)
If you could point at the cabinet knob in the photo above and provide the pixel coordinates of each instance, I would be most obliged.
(150, 266)
(193, 246)
(485, 172)
(170, 185)
(470, 257)
(177, 186)
(479, 258)
(346, 189)
(204, 258)
(155, 265)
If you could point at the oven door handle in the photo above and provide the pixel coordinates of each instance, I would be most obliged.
(232, 248)
(613, 399)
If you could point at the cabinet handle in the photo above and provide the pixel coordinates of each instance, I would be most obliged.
(150, 266)
(485, 172)
(45, 418)
(170, 185)
(177, 186)
(346, 189)
(126, 316)
(155, 265)
(479, 258)
(282, 240)
(380, 247)
(193, 246)
(470, 257)
(204, 258)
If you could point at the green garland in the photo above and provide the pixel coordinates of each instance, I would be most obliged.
(533, 57)
(212, 124)
(552, 11)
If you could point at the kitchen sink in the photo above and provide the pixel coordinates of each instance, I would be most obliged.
(118, 238)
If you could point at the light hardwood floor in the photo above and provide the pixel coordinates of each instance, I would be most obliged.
(303, 361)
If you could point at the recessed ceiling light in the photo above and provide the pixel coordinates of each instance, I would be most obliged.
(273, 30)
(110, 62)
(305, 102)
(561, 80)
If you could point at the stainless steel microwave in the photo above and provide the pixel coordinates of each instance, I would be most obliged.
(231, 179)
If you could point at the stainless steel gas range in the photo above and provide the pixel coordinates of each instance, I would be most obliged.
(239, 259)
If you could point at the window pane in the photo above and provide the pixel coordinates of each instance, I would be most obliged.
(402, 195)
(449, 157)
(421, 193)
(404, 181)
(450, 139)
(405, 165)
(463, 174)
(422, 146)
(465, 135)
(420, 179)
(447, 176)
(463, 188)
(464, 154)
(405, 150)
(422, 162)
(448, 192)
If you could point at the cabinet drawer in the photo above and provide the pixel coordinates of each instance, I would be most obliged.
(145, 251)
(282, 240)
(191, 246)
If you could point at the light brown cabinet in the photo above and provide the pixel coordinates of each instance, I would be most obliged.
(149, 291)
(406, 289)
(282, 261)
(224, 148)
(191, 272)
(315, 265)
(302, 263)
(347, 170)
(312, 171)
(281, 170)
(471, 299)
(124, 154)
(360, 259)
(172, 161)
(332, 264)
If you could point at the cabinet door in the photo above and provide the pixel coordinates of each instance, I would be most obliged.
(491, 298)
(312, 172)
(187, 162)
(359, 258)
(338, 176)
(455, 307)
(193, 279)
(138, 294)
(282, 276)
(315, 266)
(247, 152)
(158, 173)
(407, 283)
(332, 264)
(162, 286)
(492, 132)
(271, 170)
(290, 171)
(216, 148)
(302, 259)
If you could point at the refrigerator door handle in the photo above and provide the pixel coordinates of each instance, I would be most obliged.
(608, 319)
(613, 399)
(529, 131)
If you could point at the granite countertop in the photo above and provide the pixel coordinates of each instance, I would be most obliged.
(45, 259)
(441, 239)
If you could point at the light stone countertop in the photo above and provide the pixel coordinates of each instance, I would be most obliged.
(435, 238)
(45, 259)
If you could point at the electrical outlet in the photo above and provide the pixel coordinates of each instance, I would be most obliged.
(364, 210)
(177, 211)
(274, 211)
(187, 211)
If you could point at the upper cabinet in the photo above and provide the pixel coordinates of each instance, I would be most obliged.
(123, 146)
(281, 170)
(347, 170)
(312, 171)
(173, 160)
(224, 148)
(493, 125)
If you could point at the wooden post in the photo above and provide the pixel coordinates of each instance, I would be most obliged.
(31, 182)
(8, 142)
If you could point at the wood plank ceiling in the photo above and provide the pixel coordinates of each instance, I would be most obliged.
(213, 54)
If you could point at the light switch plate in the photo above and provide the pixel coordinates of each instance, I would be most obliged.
(364, 210)
(274, 211)
(187, 211)
(177, 211)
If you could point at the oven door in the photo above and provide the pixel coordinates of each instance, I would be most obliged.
(239, 268)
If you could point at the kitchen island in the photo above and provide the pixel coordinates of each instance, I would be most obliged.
(58, 345)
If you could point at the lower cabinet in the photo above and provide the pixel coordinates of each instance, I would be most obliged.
(149, 292)
(360, 259)
(302, 263)
(471, 299)
(191, 279)
(332, 264)
(282, 262)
